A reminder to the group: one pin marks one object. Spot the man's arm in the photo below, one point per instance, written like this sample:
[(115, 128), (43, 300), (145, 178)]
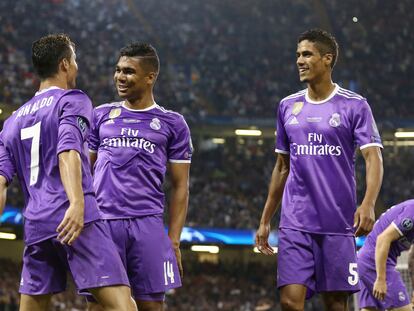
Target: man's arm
[(93, 156), (364, 217), (178, 205), (71, 175), (382, 250), (276, 187), (411, 269), (3, 193)]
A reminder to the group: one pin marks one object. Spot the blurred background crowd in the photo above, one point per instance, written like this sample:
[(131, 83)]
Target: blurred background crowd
[(222, 61)]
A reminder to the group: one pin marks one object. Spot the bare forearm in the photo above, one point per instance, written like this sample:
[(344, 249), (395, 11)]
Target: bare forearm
[(3, 193), (381, 254), (93, 156), (411, 265), (177, 213), (71, 175), (374, 174), (276, 187)]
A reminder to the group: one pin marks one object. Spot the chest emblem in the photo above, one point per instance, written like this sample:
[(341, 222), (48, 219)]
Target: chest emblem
[(114, 113), (297, 108), (335, 120), (155, 124)]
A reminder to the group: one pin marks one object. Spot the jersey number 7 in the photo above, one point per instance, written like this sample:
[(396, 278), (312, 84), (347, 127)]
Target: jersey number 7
[(34, 133)]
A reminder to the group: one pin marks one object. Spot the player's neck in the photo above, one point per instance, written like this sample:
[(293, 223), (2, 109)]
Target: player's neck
[(140, 103), (48, 83), (321, 90)]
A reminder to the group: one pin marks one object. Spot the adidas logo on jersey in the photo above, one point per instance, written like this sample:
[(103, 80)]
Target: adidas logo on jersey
[(294, 121)]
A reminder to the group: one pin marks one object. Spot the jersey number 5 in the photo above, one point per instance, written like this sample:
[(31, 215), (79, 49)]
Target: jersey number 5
[(34, 133), (354, 277)]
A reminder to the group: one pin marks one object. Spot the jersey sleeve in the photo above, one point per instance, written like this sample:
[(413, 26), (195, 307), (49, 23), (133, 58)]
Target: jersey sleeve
[(74, 121), (93, 139), (404, 223), (180, 149), (365, 129), (7, 167), (282, 141)]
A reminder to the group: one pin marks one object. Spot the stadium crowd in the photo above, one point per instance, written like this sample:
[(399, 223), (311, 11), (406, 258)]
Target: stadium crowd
[(218, 58)]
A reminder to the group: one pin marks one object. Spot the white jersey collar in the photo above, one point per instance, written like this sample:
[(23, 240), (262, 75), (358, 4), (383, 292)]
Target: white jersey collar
[(323, 100)]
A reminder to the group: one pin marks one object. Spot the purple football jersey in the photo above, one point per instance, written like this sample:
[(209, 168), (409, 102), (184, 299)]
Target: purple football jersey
[(321, 138), (401, 216), (133, 149), (53, 121)]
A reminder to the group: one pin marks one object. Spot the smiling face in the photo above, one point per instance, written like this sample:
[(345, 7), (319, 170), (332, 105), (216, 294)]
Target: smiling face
[(312, 65), (131, 80)]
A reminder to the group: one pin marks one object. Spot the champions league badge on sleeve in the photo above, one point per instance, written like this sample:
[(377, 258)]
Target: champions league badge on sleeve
[(407, 224), (335, 120), (82, 124)]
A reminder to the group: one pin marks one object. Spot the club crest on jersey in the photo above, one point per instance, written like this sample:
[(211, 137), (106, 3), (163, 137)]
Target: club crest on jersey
[(335, 120), (401, 296), (115, 113), (407, 224), (155, 124), (297, 108)]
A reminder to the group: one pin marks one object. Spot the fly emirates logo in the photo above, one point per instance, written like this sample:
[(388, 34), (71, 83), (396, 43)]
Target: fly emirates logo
[(129, 139), (315, 147)]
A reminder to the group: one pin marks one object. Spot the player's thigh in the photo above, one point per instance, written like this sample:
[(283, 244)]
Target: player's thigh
[(94, 306), (292, 297), (116, 297), (94, 260), (34, 302), (371, 309), (336, 263), (404, 308), (296, 263), (150, 305), (44, 269), (151, 263)]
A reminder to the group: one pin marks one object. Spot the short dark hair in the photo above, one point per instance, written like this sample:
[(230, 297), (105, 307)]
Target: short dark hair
[(324, 42), (146, 52), (47, 53)]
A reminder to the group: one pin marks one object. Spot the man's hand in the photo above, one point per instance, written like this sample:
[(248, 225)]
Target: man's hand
[(179, 263), (72, 224), (262, 240), (364, 220), (380, 289)]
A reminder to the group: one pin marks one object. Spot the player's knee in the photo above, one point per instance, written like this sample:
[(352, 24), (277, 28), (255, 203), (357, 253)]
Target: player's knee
[(150, 305), (337, 306), (289, 304)]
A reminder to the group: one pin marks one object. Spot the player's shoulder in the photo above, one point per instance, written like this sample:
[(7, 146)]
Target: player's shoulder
[(73, 94), (349, 95), (292, 98), (108, 106), (168, 115)]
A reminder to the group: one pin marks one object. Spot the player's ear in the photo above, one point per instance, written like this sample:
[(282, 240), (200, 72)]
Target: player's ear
[(64, 64), (328, 59), (152, 77)]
